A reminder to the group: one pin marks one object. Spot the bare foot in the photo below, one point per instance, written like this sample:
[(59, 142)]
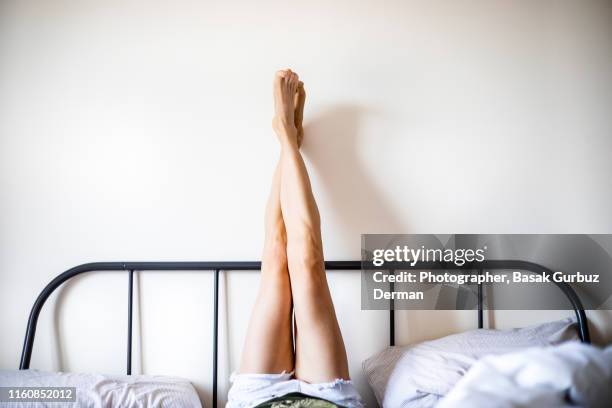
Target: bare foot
[(285, 88), (298, 115)]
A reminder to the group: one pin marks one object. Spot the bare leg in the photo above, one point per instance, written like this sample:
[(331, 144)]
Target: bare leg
[(268, 347), (320, 351)]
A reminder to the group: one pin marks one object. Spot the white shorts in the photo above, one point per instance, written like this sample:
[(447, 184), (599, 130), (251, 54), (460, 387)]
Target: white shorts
[(250, 390)]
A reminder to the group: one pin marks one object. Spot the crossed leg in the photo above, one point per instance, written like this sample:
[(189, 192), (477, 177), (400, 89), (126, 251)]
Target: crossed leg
[(293, 270)]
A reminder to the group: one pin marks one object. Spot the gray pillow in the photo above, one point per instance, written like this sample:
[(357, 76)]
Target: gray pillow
[(417, 376)]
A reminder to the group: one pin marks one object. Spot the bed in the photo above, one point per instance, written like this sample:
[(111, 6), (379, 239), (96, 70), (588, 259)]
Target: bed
[(182, 391)]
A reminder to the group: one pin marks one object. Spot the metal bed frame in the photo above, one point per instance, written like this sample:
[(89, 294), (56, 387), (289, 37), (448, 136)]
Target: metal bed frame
[(217, 267)]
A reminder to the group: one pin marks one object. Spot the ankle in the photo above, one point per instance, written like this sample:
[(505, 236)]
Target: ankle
[(287, 133), (289, 143)]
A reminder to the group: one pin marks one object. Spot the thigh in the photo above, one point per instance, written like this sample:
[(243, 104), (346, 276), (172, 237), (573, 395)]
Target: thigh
[(320, 354), (268, 346)]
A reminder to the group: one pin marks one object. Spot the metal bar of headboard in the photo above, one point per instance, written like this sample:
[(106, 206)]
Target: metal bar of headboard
[(480, 306), (129, 336), (215, 338), (26, 354), (392, 319), (392, 312)]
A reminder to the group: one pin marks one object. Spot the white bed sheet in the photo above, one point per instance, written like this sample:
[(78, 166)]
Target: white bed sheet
[(101, 391)]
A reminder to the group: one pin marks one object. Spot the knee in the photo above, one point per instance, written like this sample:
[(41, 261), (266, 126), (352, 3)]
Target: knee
[(275, 254), (305, 255)]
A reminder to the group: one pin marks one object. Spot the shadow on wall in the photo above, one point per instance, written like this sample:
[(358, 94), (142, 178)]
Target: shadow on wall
[(331, 145)]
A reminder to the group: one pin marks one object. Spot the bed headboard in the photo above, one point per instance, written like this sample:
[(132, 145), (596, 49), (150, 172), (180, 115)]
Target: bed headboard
[(218, 267)]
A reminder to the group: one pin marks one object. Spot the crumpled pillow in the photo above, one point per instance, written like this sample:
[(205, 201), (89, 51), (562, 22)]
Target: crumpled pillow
[(419, 375)]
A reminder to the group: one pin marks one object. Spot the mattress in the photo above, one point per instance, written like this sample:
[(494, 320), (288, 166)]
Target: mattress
[(98, 390)]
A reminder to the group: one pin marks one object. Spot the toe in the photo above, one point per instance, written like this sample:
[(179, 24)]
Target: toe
[(280, 76), (294, 82), (278, 79)]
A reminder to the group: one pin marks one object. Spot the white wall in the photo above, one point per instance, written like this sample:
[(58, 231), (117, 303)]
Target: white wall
[(133, 130)]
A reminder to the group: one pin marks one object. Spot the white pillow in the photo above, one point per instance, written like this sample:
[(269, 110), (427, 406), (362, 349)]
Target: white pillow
[(419, 375)]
